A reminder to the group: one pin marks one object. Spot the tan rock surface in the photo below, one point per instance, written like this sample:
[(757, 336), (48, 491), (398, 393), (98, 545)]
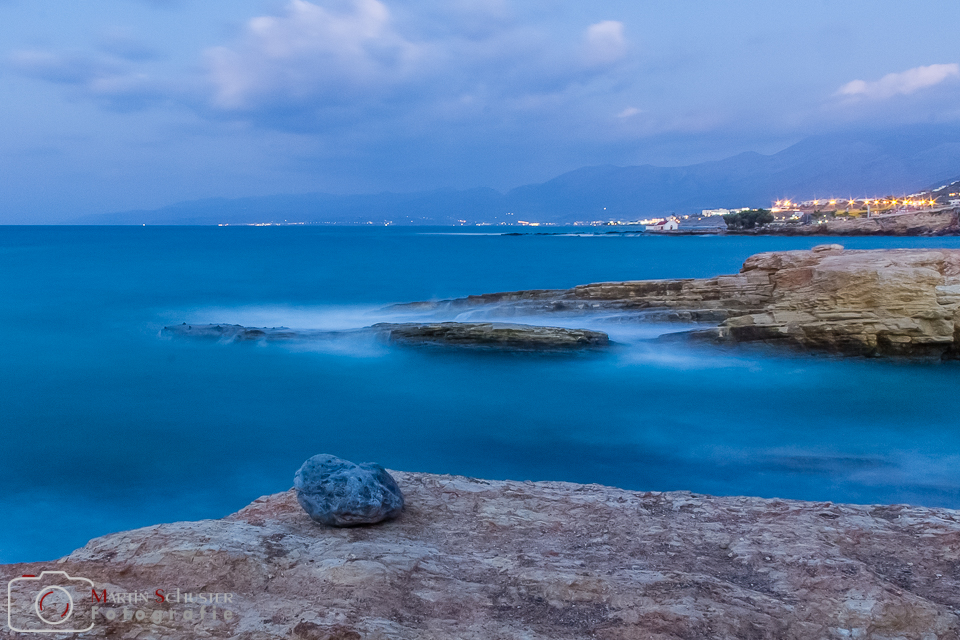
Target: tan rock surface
[(884, 302), (479, 559)]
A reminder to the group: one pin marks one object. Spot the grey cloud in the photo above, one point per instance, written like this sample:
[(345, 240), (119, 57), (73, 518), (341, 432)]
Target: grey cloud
[(111, 82), (441, 19), (163, 4), (314, 59), (903, 83), (126, 46), (69, 68), (312, 53), (343, 68), (604, 43)]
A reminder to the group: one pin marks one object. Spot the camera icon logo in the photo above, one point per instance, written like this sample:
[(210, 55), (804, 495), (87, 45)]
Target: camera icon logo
[(52, 602)]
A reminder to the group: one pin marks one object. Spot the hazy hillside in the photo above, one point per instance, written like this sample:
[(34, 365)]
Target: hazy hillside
[(908, 160), (816, 167), (429, 207)]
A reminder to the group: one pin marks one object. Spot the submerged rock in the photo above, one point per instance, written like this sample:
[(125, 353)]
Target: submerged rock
[(230, 332), (343, 494)]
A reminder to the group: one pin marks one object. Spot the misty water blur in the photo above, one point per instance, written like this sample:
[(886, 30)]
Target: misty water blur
[(107, 426)]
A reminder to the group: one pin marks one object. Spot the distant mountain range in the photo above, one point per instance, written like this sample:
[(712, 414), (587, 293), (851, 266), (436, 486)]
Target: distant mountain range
[(861, 164)]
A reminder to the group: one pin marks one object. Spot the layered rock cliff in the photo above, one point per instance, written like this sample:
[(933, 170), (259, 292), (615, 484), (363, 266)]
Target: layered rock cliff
[(476, 559), (902, 302)]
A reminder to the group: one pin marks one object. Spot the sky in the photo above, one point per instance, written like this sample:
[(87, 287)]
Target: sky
[(136, 104)]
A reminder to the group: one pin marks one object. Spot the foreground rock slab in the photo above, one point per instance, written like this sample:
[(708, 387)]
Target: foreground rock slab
[(903, 302), (478, 559)]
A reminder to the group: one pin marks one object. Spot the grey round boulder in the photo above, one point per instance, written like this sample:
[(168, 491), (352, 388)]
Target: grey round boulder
[(343, 494)]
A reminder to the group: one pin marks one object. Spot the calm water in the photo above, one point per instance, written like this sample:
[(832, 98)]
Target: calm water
[(105, 426)]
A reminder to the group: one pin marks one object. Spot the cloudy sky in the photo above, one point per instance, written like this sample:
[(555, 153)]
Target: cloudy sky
[(124, 104)]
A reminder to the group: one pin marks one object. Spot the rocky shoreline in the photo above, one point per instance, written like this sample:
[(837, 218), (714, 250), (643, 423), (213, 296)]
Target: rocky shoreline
[(898, 302), (921, 223), (479, 559)]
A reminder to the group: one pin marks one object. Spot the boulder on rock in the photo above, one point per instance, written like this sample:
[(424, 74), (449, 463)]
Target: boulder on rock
[(340, 493)]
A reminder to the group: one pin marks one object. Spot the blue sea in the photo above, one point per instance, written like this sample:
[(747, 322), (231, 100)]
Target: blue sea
[(108, 426)]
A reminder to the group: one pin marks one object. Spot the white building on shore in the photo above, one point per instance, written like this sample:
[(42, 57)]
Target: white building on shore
[(667, 224)]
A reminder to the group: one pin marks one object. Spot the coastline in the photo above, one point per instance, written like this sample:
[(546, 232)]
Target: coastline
[(891, 302), (921, 223)]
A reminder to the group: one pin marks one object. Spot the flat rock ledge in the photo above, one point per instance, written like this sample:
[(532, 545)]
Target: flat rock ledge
[(492, 335), (901, 302), (477, 559)]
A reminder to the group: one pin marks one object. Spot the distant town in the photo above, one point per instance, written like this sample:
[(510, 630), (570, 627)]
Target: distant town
[(782, 213)]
